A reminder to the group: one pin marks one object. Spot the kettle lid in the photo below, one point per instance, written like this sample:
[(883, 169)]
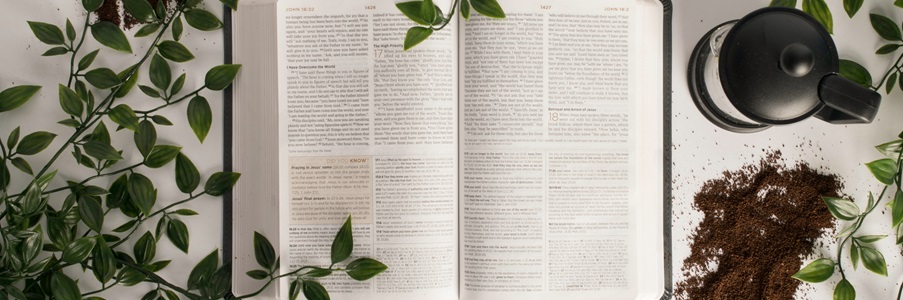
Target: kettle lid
[(771, 63)]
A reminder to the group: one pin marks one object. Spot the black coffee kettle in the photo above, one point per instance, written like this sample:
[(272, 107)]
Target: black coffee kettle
[(775, 66)]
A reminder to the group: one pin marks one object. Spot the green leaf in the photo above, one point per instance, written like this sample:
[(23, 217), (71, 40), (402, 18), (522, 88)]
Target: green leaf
[(31, 244), (899, 231), (56, 51), (35, 142), (70, 31), (64, 288), (851, 7), (14, 292), (14, 97), (177, 85), (177, 29), (125, 227), (886, 49), (103, 263), (318, 272), (129, 276), (92, 5), (870, 238), (817, 271), (364, 268), (343, 243), (161, 227), (145, 248), (118, 192), (100, 150), (48, 33), (160, 74), (415, 36), (101, 134), (465, 9), (109, 34), (200, 117), (161, 155), (78, 250), (149, 91), (103, 78), (128, 83), (145, 137), (187, 176), (87, 60), (428, 11), (314, 290), (264, 252), (898, 3), (883, 170), (294, 289), (841, 208), (204, 270), (91, 213), (70, 123), (844, 291), (855, 72), (897, 209), (70, 101), (220, 182), (124, 116), (147, 30), (412, 9), (873, 260), (22, 165), (233, 4), (13, 138), (161, 120), (177, 233), (854, 254), (885, 27), (492, 9), (174, 51), (258, 274), (185, 212), (4, 176), (140, 9), (890, 83), (819, 10), (220, 77), (142, 193), (202, 20), (783, 3)]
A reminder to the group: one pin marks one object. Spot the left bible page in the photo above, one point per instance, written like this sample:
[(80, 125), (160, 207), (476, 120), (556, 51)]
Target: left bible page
[(367, 130)]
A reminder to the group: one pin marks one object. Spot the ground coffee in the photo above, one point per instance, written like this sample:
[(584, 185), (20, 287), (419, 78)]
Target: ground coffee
[(758, 223), (110, 11)]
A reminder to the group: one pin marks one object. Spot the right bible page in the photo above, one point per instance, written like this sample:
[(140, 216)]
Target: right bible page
[(551, 125)]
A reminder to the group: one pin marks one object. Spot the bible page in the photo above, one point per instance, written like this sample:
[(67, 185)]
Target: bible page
[(368, 130), (548, 171)]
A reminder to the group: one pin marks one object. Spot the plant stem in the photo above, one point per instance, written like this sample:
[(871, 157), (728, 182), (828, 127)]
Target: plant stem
[(147, 112), (83, 182), (893, 67), (159, 280), (106, 287), (72, 70), (450, 15)]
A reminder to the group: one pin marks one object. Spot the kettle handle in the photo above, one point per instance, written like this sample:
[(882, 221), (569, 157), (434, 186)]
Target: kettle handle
[(846, 102)]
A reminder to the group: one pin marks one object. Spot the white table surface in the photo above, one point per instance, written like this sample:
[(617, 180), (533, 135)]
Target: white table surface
[(702, 151)]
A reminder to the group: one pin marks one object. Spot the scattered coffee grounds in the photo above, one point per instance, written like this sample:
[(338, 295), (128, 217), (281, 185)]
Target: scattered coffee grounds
[(109, 11), (759, 222)]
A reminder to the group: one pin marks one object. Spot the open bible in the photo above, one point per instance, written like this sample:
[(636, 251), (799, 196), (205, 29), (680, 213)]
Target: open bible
[(520, 158)]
